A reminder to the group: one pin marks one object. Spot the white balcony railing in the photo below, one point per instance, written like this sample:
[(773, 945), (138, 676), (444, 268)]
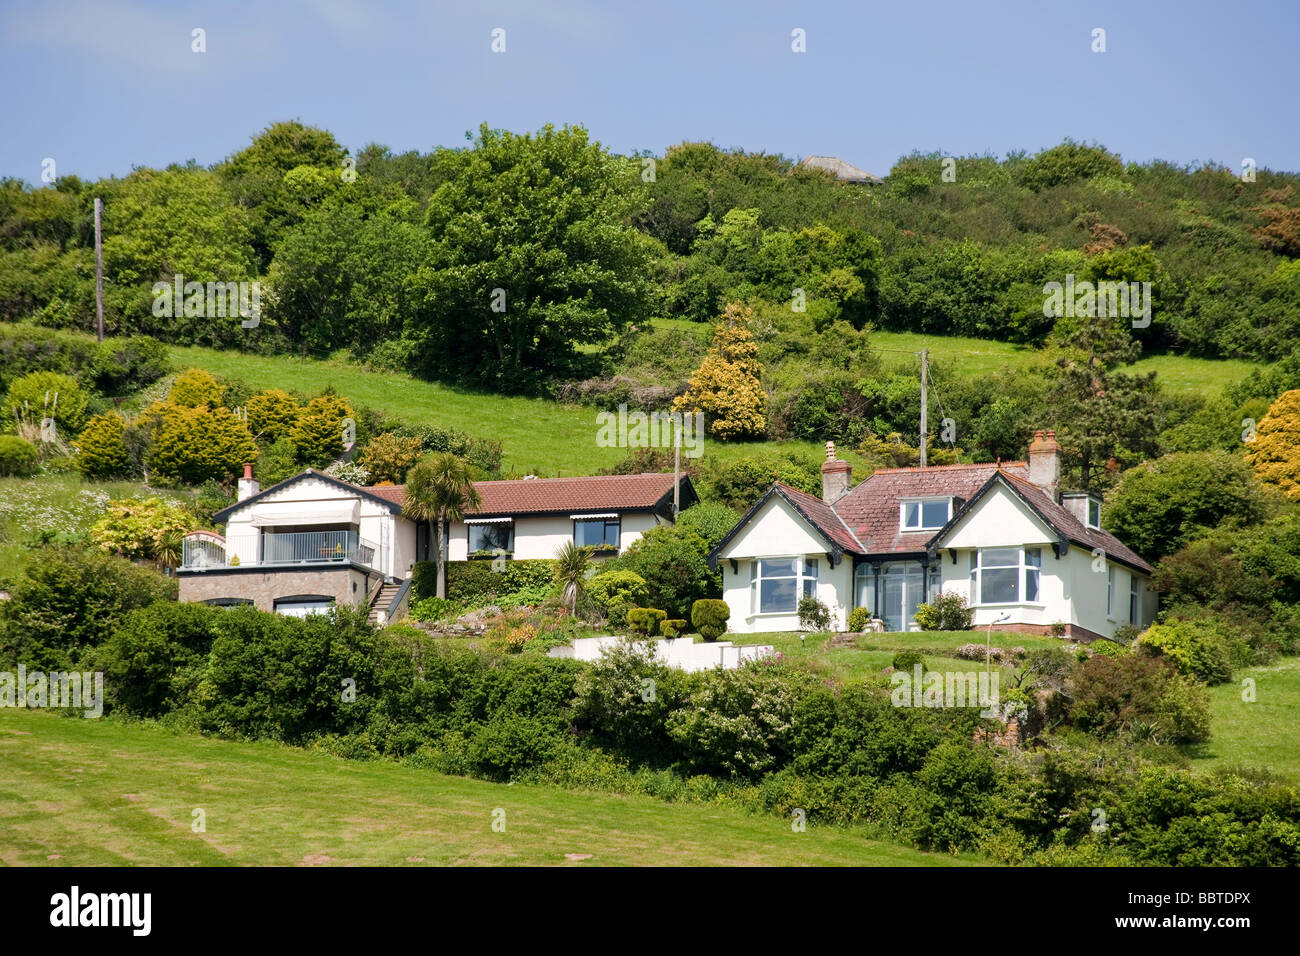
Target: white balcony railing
[(279, 548)]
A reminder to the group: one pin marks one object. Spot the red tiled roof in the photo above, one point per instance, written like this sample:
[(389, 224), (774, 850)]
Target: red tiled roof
[(560, 495), (823, 516), (871, 509)]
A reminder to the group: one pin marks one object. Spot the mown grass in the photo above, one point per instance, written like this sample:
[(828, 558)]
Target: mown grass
[(1264, 732), (872, 653), (79, 792)]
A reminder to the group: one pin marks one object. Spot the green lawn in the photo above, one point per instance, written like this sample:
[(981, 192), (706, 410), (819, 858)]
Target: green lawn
[(78, 792), (1260, 733), (874, 652)]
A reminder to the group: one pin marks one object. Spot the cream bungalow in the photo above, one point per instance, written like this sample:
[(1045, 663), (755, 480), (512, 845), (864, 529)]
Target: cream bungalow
[(312, 541), (1000, 535)]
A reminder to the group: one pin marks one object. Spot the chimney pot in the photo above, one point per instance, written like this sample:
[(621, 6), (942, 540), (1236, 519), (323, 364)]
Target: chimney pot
[(837, 476)]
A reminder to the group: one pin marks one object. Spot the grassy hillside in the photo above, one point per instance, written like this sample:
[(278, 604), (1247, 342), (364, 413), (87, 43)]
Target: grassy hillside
[(63, 803), (1258, 733), (536, 435), (545, 437)]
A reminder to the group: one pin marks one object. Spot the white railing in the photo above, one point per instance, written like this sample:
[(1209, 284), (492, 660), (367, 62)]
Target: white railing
[(278, 548)]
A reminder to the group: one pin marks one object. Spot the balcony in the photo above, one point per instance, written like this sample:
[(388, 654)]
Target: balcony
[(204, 550)]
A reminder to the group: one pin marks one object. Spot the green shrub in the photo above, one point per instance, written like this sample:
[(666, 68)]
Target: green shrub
[(101, 448), (673, 562), (813, 614), (1137, 697), (613, 592), (1108, 648), (645, 620), (42, 394), (129, 364), (672, 629), (67, 601), (709, 617), (906, 660), (624, 699), (1198, 648), (510, 746), (18, 457), (947, 612), (195, 387), (434, 609), (859, 619), (156, 655)]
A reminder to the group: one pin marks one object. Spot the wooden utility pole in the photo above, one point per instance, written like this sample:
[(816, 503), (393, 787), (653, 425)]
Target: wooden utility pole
[(99, 270), (677, 468), (925, 398)]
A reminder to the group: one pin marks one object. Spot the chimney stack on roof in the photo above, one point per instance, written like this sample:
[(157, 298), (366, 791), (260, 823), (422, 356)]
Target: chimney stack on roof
[(248, 485), (837, 476), (1045, 461)]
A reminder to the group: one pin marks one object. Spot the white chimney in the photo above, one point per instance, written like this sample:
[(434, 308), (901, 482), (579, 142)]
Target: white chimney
[(837, 476), (1045, 461), (248, 485)]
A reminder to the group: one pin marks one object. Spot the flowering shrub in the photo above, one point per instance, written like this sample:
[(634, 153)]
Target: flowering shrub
[(138, 529)]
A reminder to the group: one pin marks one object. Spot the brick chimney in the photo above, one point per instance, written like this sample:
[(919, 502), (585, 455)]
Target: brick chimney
[(248, 485), (837, 476), (1045, 461)]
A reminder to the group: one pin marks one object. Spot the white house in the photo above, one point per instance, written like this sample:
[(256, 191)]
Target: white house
[(313, 540), (1000, 534)]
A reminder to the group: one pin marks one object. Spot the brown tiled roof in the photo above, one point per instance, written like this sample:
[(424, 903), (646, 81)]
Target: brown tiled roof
[(823, 516), (1074, 529), (562, 495), (871, 509)]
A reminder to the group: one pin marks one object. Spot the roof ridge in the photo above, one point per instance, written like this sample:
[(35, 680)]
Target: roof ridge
[(639, 474), (973, 464)]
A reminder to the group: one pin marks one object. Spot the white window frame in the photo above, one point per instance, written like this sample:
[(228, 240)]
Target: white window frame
[(1023, 567), (805, 578), (1093, 503), (472, 525), (920, 512), (1134, 603)]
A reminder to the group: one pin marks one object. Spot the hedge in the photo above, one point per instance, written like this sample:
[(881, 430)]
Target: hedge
[(476, 581)]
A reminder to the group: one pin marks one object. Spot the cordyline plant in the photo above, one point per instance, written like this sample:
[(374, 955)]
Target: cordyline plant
[(438, 490)]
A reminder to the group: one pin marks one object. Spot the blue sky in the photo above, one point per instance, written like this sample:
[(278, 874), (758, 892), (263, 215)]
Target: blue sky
[(105, 86)]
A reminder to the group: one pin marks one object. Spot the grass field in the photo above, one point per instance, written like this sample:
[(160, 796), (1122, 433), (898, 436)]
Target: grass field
[(78, 792), (1260, 733), (64, 503), (969, 357), (537, 436)]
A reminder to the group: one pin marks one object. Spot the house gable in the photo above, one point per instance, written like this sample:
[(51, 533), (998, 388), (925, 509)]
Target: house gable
[(774, 526), (996, 519), (307, 486)]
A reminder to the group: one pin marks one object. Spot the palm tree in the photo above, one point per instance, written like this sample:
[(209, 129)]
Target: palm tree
[(571, 565), (438, 490), (169, 548)]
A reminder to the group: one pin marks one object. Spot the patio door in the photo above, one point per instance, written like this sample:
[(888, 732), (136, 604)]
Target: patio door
[(902, 586)]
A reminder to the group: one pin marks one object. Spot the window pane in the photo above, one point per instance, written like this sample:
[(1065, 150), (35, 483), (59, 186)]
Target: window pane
[(1000, 557), (809, 587), (1034, 557), (911, 514), (778, 594), (596, 533), (1031, 584), (999, 586), (489, 537), (1094, 513), (865, 590), (778, 567), (810, 568), (934, 514)]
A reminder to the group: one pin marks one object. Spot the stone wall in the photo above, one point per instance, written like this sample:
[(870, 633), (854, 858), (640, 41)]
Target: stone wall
[(347, 585)]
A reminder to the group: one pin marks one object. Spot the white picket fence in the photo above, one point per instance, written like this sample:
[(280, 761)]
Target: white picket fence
[(682, 653)]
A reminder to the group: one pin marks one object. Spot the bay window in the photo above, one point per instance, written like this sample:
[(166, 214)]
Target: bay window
[(1006, 575), (777, 584)]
